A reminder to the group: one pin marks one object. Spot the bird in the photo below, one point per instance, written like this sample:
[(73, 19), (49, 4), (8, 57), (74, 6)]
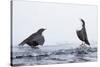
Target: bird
[(35, 39), (82, 34)]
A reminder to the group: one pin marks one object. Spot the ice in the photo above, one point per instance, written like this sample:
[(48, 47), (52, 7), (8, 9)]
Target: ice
[(52, 55)]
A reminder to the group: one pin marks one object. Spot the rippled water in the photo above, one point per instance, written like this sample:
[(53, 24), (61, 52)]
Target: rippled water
[(52, 55)]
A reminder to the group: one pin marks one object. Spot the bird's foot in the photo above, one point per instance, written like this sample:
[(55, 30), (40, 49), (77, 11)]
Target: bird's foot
[(83, 46), (35, 47)]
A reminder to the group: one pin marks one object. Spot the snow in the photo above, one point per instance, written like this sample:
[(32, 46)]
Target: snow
[(52, 55)]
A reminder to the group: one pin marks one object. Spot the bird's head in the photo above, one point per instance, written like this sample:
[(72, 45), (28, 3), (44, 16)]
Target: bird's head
[(83, 22), (41, 30)]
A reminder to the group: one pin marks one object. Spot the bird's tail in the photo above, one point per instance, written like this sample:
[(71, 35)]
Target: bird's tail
[(88, 44), (22, 43)]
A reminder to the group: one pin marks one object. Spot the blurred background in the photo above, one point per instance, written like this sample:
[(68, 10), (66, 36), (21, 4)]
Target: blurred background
[(60, 20)]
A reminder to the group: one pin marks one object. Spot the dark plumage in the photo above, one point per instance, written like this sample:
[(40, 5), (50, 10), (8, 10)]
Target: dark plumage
[(82, 35), (35, 39)]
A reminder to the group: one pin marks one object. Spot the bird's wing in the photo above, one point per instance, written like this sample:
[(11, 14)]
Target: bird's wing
[(79, 34), (41, 40), (85, 37), (23, 42), (38, 38), (32, 43), (83, 34), (28, 39)]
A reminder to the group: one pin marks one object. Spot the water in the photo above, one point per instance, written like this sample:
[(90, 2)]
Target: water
[(52, 55)]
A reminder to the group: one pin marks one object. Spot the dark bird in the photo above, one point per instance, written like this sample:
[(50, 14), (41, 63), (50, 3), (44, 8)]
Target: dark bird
[(35, 39), (82, 35)]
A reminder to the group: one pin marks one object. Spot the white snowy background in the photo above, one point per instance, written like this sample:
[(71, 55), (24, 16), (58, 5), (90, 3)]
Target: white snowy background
[(60, 20)]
